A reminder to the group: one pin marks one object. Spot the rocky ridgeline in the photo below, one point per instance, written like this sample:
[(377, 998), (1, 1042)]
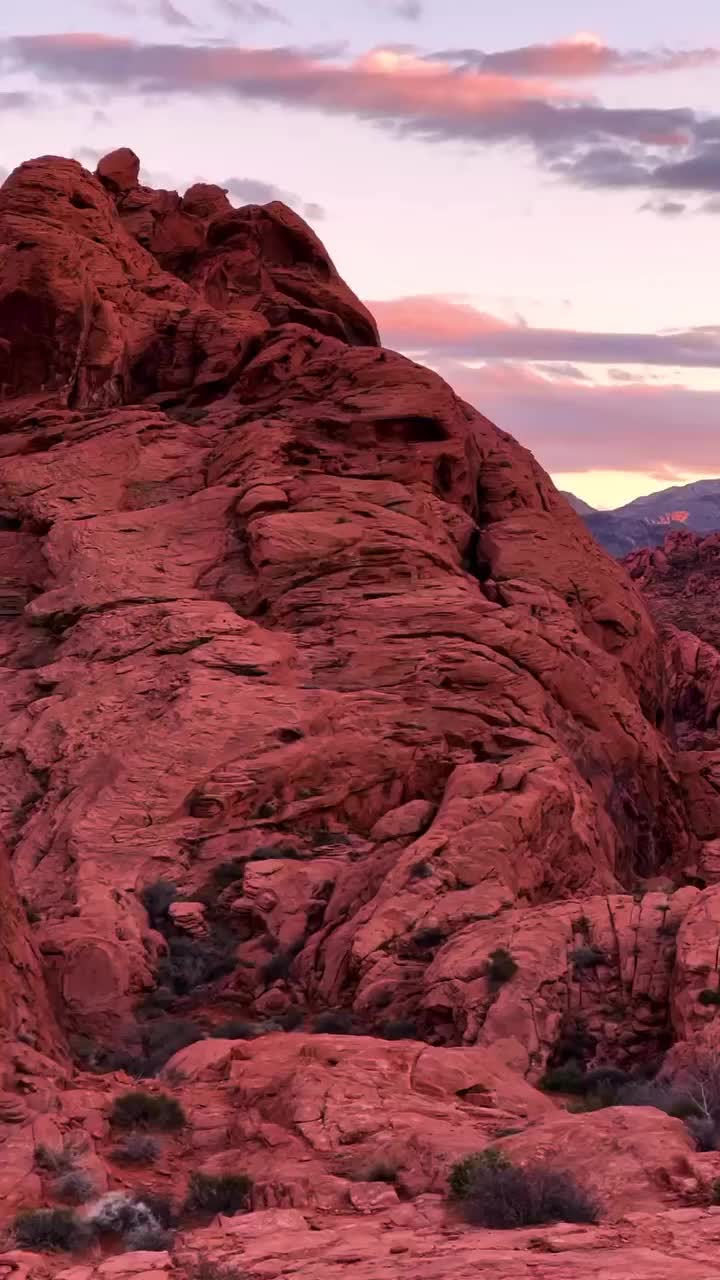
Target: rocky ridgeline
[(344, 782)]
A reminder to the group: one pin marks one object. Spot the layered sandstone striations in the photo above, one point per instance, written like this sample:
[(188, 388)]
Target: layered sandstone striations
[(287, 624)]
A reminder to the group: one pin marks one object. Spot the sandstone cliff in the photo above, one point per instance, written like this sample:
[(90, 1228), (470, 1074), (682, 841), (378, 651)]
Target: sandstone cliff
[(288, 626)]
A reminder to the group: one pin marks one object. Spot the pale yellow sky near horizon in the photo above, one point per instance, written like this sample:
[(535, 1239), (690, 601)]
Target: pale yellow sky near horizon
[(607, 490)]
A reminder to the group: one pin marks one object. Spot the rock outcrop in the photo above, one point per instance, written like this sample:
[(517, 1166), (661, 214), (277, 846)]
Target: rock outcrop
[(319, 699)]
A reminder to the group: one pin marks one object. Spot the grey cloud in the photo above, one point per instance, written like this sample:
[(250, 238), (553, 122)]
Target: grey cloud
[(585, 143), (666, 208), (576, 58), (255, 191), (252, 11), (15, 100), (171, 15)]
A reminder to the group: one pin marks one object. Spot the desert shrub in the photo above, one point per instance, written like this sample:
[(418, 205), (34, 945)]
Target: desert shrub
[(164, 1038), (568, 1078), (138, 1148), (50, 1230), (495, 1193), (119, 1214), (501, 967), (228, 873), (705, 1131), (293, 1019), (190, 963), (463, 1171), (379, 1171), (267, 852), (75, 1186), (420, 870), (208, 1270), (156, 899), (157, 1204), (715, 1191), (428, 937), (234, 1030), (150, 1239), (278, 966), (665, 1095), (587, 958), (711, 995), (222, 1193), (54, 1161), (334, 1022), (399, 1029), (140, 1110)]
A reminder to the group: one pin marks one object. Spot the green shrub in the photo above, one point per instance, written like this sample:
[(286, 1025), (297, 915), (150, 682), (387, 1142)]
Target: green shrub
[(278, 966), (399, 1029), (192, 963), (75, 1187), (420, 870), (140, 1110), (334, 1022), (222, 1193), (234, 1030), (463, 1171), (138, 1148), (165, 1037), (587, 958), (228, 873), (51, 1230), (380, 1171), (207, 1270), (501, 967), (429, 937), (715, 1191), (569, 1078), (156, 899), (54, 1161), (270, 852), (501, 1196), (149, 1239), (711, 995)]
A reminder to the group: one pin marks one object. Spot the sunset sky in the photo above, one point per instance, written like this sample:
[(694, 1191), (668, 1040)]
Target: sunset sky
[(531, 209)]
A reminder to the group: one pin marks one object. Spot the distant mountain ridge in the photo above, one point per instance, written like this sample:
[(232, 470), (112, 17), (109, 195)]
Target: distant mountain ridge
[(646, 521)]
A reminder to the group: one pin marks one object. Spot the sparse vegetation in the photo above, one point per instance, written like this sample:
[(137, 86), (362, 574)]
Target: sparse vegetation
[(279, 965), (51, 1230), (54, 1161), (587, 958), (156, 899), (227, 1193), (149, 1239), (399, 1029), (420, 870), (495, 1193), (379, 1171), (501, 967), (165, 1037), (334, 1022), (75, 1187), (140, 1110), (268, 852), (207, 1270), (463, 1171), (190, 963), (228, 873), (234, 1031), (711, 995), (429, 937), (138, 1149)]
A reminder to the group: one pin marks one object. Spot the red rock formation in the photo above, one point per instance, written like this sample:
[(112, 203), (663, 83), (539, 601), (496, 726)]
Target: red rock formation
[(289, 625)]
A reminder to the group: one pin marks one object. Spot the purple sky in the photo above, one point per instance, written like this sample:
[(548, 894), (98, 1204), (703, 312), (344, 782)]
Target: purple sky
[(532, 210)]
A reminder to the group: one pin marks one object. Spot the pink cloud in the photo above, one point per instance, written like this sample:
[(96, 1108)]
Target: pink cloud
[(441, 328), (575, 426)]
